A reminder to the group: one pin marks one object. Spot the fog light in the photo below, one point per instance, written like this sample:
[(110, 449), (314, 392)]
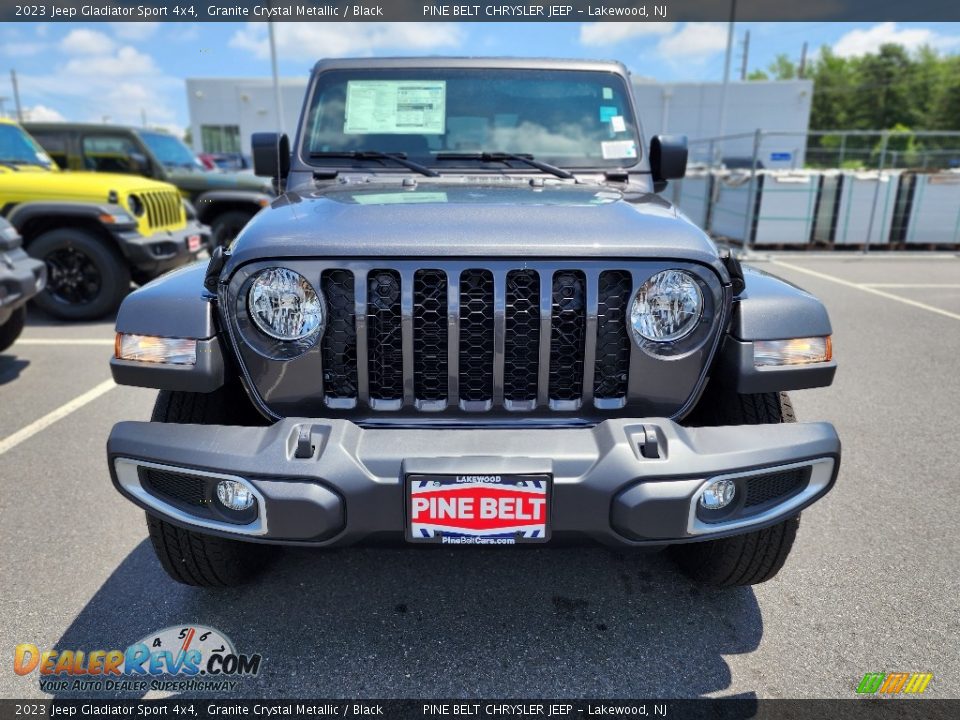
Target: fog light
[(718, 494), (147, 348), (234, 495)]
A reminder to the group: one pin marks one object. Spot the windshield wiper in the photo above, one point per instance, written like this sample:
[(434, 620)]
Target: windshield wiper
[(506, 157), (399, 158), (12, 164)]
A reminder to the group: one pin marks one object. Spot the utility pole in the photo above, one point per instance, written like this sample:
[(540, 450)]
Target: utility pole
[(803, 62), (278, 102), (746, 54), (16, 95), (726, 79)]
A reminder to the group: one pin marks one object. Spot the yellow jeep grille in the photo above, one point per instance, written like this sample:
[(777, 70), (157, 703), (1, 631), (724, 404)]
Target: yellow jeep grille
[(164, 209)]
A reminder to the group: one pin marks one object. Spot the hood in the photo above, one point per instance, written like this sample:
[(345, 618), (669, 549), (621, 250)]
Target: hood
[(93, 186), (218, 180), (466, 217)]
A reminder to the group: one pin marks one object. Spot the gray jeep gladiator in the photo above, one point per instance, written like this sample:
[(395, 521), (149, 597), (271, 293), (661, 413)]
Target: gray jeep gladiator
[(470, 319), (21, 277)]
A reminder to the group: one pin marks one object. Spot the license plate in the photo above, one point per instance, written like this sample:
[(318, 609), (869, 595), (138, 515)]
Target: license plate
[(193, 243), (478, 509)]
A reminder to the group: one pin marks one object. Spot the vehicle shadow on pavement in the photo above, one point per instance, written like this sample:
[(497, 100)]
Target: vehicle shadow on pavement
[(464, 622), (11, 366)]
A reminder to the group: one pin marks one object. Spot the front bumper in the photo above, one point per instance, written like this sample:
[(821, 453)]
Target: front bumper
[(626, 482), (21, 277), (165, 249)]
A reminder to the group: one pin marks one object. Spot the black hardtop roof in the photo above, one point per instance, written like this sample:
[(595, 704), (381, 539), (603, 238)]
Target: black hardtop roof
[(59, 124)]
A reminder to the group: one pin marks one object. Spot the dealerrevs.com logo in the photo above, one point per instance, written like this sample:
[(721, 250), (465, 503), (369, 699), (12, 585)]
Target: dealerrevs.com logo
[(175, 659), (894, 683)]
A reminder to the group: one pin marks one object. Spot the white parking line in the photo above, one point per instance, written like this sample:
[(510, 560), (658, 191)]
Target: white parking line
[(867, 288), (912, 285), (64, 341), (11, 441)]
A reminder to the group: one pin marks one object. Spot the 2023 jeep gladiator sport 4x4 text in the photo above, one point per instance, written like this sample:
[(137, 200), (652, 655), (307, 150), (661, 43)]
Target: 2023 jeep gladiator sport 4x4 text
[(470, 319)]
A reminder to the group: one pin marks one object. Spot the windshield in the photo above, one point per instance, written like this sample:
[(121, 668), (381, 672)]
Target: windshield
[(571, 119), (18, 148), (170, 151)]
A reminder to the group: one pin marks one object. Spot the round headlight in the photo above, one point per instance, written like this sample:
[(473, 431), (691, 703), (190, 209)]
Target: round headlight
[(667, 307), (136, 205), (284, 305)]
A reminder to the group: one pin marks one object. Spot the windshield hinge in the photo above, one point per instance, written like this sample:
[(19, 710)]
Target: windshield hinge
[(617, 175)]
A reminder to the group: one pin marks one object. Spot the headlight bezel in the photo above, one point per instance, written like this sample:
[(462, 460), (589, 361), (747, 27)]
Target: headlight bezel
[(694, 337), (259, 337), (136, 206)]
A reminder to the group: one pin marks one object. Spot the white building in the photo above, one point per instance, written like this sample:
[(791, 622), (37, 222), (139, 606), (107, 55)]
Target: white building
[(224, 112), (693, 109)]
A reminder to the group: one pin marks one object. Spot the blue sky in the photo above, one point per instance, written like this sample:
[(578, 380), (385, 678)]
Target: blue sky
[(92, 71)]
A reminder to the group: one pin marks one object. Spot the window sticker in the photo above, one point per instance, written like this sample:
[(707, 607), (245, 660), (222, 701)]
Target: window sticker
[(617, 124), (399, 198), (607, 112), (618, 149), (398, 107), (608, 93)]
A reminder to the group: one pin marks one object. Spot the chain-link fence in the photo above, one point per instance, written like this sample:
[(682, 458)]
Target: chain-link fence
[(823, 149), (862, 189)]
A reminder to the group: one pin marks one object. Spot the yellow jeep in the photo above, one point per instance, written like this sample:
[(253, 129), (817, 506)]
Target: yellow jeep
[(94, 231)]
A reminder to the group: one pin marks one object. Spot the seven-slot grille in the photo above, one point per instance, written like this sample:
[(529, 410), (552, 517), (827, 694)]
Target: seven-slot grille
[(475, 338), (163, 208)]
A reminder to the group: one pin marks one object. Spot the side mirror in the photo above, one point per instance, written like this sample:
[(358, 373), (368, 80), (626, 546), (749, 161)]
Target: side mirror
[(271, 156), (668, 159)]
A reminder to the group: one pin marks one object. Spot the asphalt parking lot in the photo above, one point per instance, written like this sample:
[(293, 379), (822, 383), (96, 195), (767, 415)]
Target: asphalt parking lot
[(873, 584)]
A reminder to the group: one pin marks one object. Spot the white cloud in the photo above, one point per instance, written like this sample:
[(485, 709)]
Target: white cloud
[(117, 85), (861, 42), (22, 49), (86, 42), (41, 113), (127, 62), (609, 33), (134, 30), (695, 41), (300, 40)]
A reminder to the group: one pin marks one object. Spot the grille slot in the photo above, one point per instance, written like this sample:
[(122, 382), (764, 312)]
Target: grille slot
[(430, 334), (613, 342), (568, 331), (339, 345), (476, 336), (184, 489), (384, 337), (522, 343), (775, 486)]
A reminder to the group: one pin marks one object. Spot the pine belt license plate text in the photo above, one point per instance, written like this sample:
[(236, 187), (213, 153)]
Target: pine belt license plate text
[(478, 509)]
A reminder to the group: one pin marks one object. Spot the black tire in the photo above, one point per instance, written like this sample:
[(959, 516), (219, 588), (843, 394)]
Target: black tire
[(748, 559), (11, 329), (87, 277), (187, 556), (226, 226), (754, 557)]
